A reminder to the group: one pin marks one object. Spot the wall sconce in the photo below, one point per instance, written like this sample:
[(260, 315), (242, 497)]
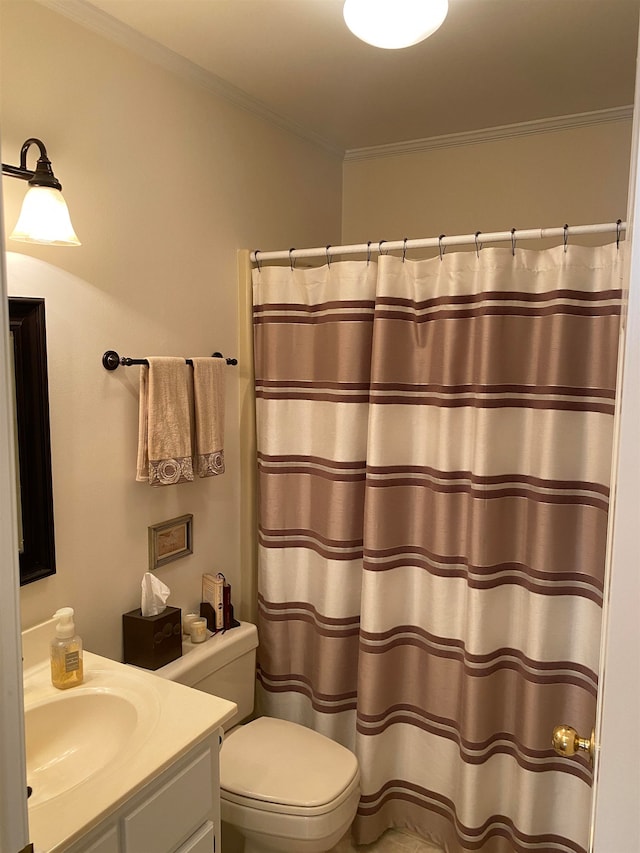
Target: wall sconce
[(44, 217)]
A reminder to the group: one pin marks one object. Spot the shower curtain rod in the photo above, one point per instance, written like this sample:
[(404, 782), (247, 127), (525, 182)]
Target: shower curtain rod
[(480, 238)]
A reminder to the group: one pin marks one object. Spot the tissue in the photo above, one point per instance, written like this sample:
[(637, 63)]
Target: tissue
[(154, 595)]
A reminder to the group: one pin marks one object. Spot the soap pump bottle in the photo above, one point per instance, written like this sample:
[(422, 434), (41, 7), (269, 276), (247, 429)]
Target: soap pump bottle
[(66, 651)]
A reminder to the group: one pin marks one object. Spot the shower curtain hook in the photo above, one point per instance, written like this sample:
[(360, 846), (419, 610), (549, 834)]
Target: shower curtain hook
[(380, 242), (328, 256), (368, 252), (618, 224), (292, 261), (255, 255), (566, 237), (478, 245), (404, 250), (440, 247), (513, 242)]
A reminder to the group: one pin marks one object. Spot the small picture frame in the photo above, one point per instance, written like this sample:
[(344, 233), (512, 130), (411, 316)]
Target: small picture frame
[(170, 540)]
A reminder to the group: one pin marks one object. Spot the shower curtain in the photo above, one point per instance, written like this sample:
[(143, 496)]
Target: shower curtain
[(434, 451)]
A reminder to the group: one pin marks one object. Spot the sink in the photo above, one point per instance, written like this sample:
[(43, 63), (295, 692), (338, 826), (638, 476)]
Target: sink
[(83, 731), (91, 748)]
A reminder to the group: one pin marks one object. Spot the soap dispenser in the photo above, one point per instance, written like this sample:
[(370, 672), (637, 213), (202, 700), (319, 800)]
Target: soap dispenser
[(66, 651)]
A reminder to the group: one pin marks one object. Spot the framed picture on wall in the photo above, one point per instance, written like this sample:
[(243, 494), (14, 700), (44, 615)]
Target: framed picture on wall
[(170, 540)]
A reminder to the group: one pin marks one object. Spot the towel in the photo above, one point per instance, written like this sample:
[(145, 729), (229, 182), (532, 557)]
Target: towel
[(164, 435), (208, 398)]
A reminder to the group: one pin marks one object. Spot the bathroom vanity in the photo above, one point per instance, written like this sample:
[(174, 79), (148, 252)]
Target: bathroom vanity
[(124, 763), (176, 813)]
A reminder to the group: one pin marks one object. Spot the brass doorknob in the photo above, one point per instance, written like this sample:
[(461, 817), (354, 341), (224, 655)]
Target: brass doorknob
[(566, 741)]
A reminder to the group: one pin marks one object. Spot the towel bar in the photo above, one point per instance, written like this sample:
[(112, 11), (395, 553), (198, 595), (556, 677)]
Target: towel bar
[(111, 360)]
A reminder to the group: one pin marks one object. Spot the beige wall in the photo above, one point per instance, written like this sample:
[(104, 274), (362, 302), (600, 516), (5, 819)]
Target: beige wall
[(575, 176), (165, 182)]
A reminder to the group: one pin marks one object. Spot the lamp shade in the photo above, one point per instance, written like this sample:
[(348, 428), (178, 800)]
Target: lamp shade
[(44, 218), (394, 24)]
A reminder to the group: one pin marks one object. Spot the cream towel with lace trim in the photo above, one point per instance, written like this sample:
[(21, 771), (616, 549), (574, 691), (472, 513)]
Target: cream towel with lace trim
[(209, 398), (164, 427)]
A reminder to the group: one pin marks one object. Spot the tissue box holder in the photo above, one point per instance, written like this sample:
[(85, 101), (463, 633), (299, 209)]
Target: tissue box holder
[(152, 641)]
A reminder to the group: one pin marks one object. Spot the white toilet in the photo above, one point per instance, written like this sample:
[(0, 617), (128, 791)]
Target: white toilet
[(285, 788)]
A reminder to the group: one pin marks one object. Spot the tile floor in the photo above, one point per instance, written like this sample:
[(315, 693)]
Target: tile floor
[(393, 841)]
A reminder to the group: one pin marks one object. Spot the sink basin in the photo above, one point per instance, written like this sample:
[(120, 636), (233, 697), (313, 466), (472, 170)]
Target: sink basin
[(72, 736)]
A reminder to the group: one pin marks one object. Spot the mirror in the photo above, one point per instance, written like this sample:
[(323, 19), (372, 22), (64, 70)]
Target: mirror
[(33, 444)]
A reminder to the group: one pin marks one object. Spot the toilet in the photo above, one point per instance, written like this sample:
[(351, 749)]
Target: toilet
[(284, 787)]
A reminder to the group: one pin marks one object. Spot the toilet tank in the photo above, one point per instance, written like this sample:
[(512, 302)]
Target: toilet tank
[(224, 665)]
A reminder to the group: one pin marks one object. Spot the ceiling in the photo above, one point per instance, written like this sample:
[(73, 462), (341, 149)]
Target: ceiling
[(492, 63)]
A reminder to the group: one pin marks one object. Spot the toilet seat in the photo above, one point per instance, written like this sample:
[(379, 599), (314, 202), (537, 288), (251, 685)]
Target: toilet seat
[(264, 765)]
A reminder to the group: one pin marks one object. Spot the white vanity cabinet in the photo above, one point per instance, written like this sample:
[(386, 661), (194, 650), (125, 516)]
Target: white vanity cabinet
[(177, 812), (133, 767)]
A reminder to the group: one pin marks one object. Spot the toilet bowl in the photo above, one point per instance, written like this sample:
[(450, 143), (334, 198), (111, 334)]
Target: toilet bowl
[(287, 788), (284, 787)]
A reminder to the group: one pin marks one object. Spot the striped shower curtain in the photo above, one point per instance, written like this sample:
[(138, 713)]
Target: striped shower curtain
[(434, 450)]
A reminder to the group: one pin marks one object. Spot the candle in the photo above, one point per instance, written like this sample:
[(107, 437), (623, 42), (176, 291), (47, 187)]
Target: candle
[(198, 630), (187, 619)]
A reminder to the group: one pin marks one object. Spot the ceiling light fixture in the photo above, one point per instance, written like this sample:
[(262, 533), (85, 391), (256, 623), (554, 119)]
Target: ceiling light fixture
[(44, 217), (394, 24)]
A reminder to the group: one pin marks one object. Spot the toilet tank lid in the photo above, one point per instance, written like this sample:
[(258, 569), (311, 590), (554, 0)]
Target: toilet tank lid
[(275, 761), (201, 659)]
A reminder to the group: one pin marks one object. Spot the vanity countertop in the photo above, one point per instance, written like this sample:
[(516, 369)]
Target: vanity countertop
[(161, 721)]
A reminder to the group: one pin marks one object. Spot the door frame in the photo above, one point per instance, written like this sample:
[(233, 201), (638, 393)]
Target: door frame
[(615, 822), (14, 823)]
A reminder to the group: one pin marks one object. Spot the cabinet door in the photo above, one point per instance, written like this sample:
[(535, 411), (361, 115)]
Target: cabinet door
[(107, 843), (202, 841), (165, 819)]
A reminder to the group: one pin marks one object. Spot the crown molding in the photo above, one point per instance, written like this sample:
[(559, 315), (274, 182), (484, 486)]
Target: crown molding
[(83, 13), (100, 22), (491, 134)]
